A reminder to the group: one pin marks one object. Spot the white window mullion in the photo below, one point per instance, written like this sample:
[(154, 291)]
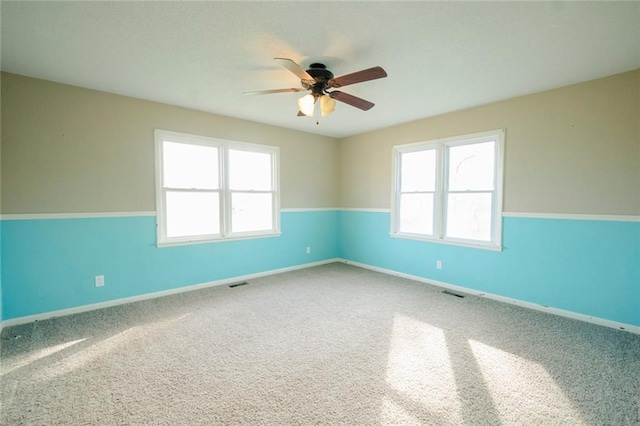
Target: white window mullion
[(498, 186), (395, 192), (440, 202), (225, 199), (162, 213), (161, 193), (274, 218), (275, 188)]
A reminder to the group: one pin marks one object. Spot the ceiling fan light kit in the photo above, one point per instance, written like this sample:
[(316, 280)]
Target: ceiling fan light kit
[(307, 103), (317, 79)]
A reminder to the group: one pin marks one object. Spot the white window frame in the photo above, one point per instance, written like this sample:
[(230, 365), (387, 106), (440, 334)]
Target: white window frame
[(223, 146), (440, 200)]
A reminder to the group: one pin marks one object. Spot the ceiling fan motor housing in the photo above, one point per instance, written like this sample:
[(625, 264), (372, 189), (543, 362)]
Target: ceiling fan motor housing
[(321, 75)]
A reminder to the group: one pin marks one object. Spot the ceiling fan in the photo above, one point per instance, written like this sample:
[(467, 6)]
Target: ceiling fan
[(318, 79)]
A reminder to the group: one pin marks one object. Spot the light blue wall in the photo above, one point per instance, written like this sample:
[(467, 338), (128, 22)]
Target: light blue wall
[(587, 267), (50, 264)]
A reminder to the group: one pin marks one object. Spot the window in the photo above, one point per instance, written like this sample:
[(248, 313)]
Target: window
[(210, 189), (450, 190)]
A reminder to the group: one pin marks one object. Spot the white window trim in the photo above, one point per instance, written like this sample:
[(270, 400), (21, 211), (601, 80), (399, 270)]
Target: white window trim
[(225, 193), (439, 210)]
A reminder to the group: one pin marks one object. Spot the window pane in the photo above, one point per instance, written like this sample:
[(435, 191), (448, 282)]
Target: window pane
[(471, 167), (416, 214), (192, 213), (251, 212), (418, 171), (190, 166), (249, 170), (469, 216)]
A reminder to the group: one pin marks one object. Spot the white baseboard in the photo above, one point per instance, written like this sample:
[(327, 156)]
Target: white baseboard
[(548, 309), (94, 306)]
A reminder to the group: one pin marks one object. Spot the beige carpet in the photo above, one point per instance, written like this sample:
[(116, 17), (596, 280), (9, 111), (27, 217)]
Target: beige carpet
[(332, 344)]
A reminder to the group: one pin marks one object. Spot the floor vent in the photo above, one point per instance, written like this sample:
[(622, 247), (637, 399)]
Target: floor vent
[(451, 293), (238, 284)]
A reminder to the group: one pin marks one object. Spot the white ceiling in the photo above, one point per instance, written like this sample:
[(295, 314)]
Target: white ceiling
[(440, 56)]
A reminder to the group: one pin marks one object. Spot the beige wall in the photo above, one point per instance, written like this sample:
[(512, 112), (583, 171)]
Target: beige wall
[(66, 149), (570, 150)]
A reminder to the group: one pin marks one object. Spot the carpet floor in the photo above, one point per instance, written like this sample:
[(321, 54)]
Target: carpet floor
[(333, 344)]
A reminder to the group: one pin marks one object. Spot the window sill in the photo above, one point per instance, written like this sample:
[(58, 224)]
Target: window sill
[(487, 246), (216, 240)]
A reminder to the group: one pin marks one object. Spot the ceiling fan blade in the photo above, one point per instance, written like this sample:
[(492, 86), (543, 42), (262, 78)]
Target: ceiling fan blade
[(267, 92), (296, 69), (351, 100), (357, 77)]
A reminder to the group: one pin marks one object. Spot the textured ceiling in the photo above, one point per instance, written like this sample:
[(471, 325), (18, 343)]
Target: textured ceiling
[(440, 56)]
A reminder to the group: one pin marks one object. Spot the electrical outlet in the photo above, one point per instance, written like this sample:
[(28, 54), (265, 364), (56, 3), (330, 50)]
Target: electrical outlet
[(438, 264), (99, 280), (308, 250)]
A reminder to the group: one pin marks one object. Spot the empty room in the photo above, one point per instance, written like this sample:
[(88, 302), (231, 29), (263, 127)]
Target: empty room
[(341, 213)]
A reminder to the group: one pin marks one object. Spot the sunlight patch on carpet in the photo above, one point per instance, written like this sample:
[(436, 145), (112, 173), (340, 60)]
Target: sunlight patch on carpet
[(8, 366), (419, 368), (514, 381), (90, 357)]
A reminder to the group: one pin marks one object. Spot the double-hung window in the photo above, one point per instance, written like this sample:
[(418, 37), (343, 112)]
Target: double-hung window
[(450, 190), (211, 189)]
